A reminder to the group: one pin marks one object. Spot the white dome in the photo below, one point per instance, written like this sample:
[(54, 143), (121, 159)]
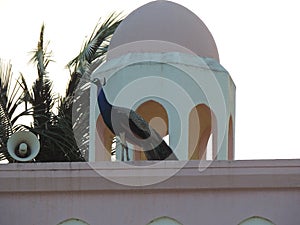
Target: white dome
[(165, 22)]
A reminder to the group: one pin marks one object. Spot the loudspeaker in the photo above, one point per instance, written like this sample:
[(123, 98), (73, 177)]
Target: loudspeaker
[(23, 146)]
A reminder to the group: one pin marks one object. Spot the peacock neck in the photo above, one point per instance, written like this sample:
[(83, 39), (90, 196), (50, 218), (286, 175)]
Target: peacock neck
[(103, 103), (105, 108)]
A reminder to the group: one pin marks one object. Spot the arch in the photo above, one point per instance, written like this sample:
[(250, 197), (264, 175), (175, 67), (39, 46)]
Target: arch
[(104, 140), (73, 221), (156, 115), (256, 220), (230, 140), (164, 221), (202, 124)]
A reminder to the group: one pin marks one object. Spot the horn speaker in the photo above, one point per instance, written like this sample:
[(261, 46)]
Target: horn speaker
[(23, 146)]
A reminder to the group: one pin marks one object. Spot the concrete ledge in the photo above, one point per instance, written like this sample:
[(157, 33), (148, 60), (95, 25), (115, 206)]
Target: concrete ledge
[(172, 175)]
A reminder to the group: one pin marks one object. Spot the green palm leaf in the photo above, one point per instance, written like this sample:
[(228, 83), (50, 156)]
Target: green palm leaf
[(12, 96), (91, 55), (96, 46)]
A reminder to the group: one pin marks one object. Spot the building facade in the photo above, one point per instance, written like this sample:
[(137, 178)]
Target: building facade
[(265, 192), (163, 63)]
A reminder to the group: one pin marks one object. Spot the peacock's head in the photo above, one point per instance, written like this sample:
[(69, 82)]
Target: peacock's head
[(98, 82)]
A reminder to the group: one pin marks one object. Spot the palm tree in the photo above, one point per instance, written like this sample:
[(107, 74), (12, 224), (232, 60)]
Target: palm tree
[(55, 130), (45, 122)]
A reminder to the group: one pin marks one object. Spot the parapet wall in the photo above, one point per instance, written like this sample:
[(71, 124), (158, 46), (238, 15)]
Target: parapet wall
[(220, 192)]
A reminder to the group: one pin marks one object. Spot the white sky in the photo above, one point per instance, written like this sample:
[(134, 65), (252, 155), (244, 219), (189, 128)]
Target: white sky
[(258, 43)]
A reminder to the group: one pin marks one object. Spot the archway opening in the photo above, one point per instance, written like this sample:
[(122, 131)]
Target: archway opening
[(202, 133), (104, 141), (164, 221), (156, 115), (73, 222), (256, 220)]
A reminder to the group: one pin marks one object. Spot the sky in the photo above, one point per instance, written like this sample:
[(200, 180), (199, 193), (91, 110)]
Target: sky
[(258, 43)]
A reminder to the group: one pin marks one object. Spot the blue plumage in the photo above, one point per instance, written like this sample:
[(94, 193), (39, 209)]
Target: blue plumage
[(127, 123)]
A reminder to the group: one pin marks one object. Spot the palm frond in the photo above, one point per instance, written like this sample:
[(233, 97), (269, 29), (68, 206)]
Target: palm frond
[(41, 97), (96, 45), (12, 96), (91, 55), (40, 55)]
